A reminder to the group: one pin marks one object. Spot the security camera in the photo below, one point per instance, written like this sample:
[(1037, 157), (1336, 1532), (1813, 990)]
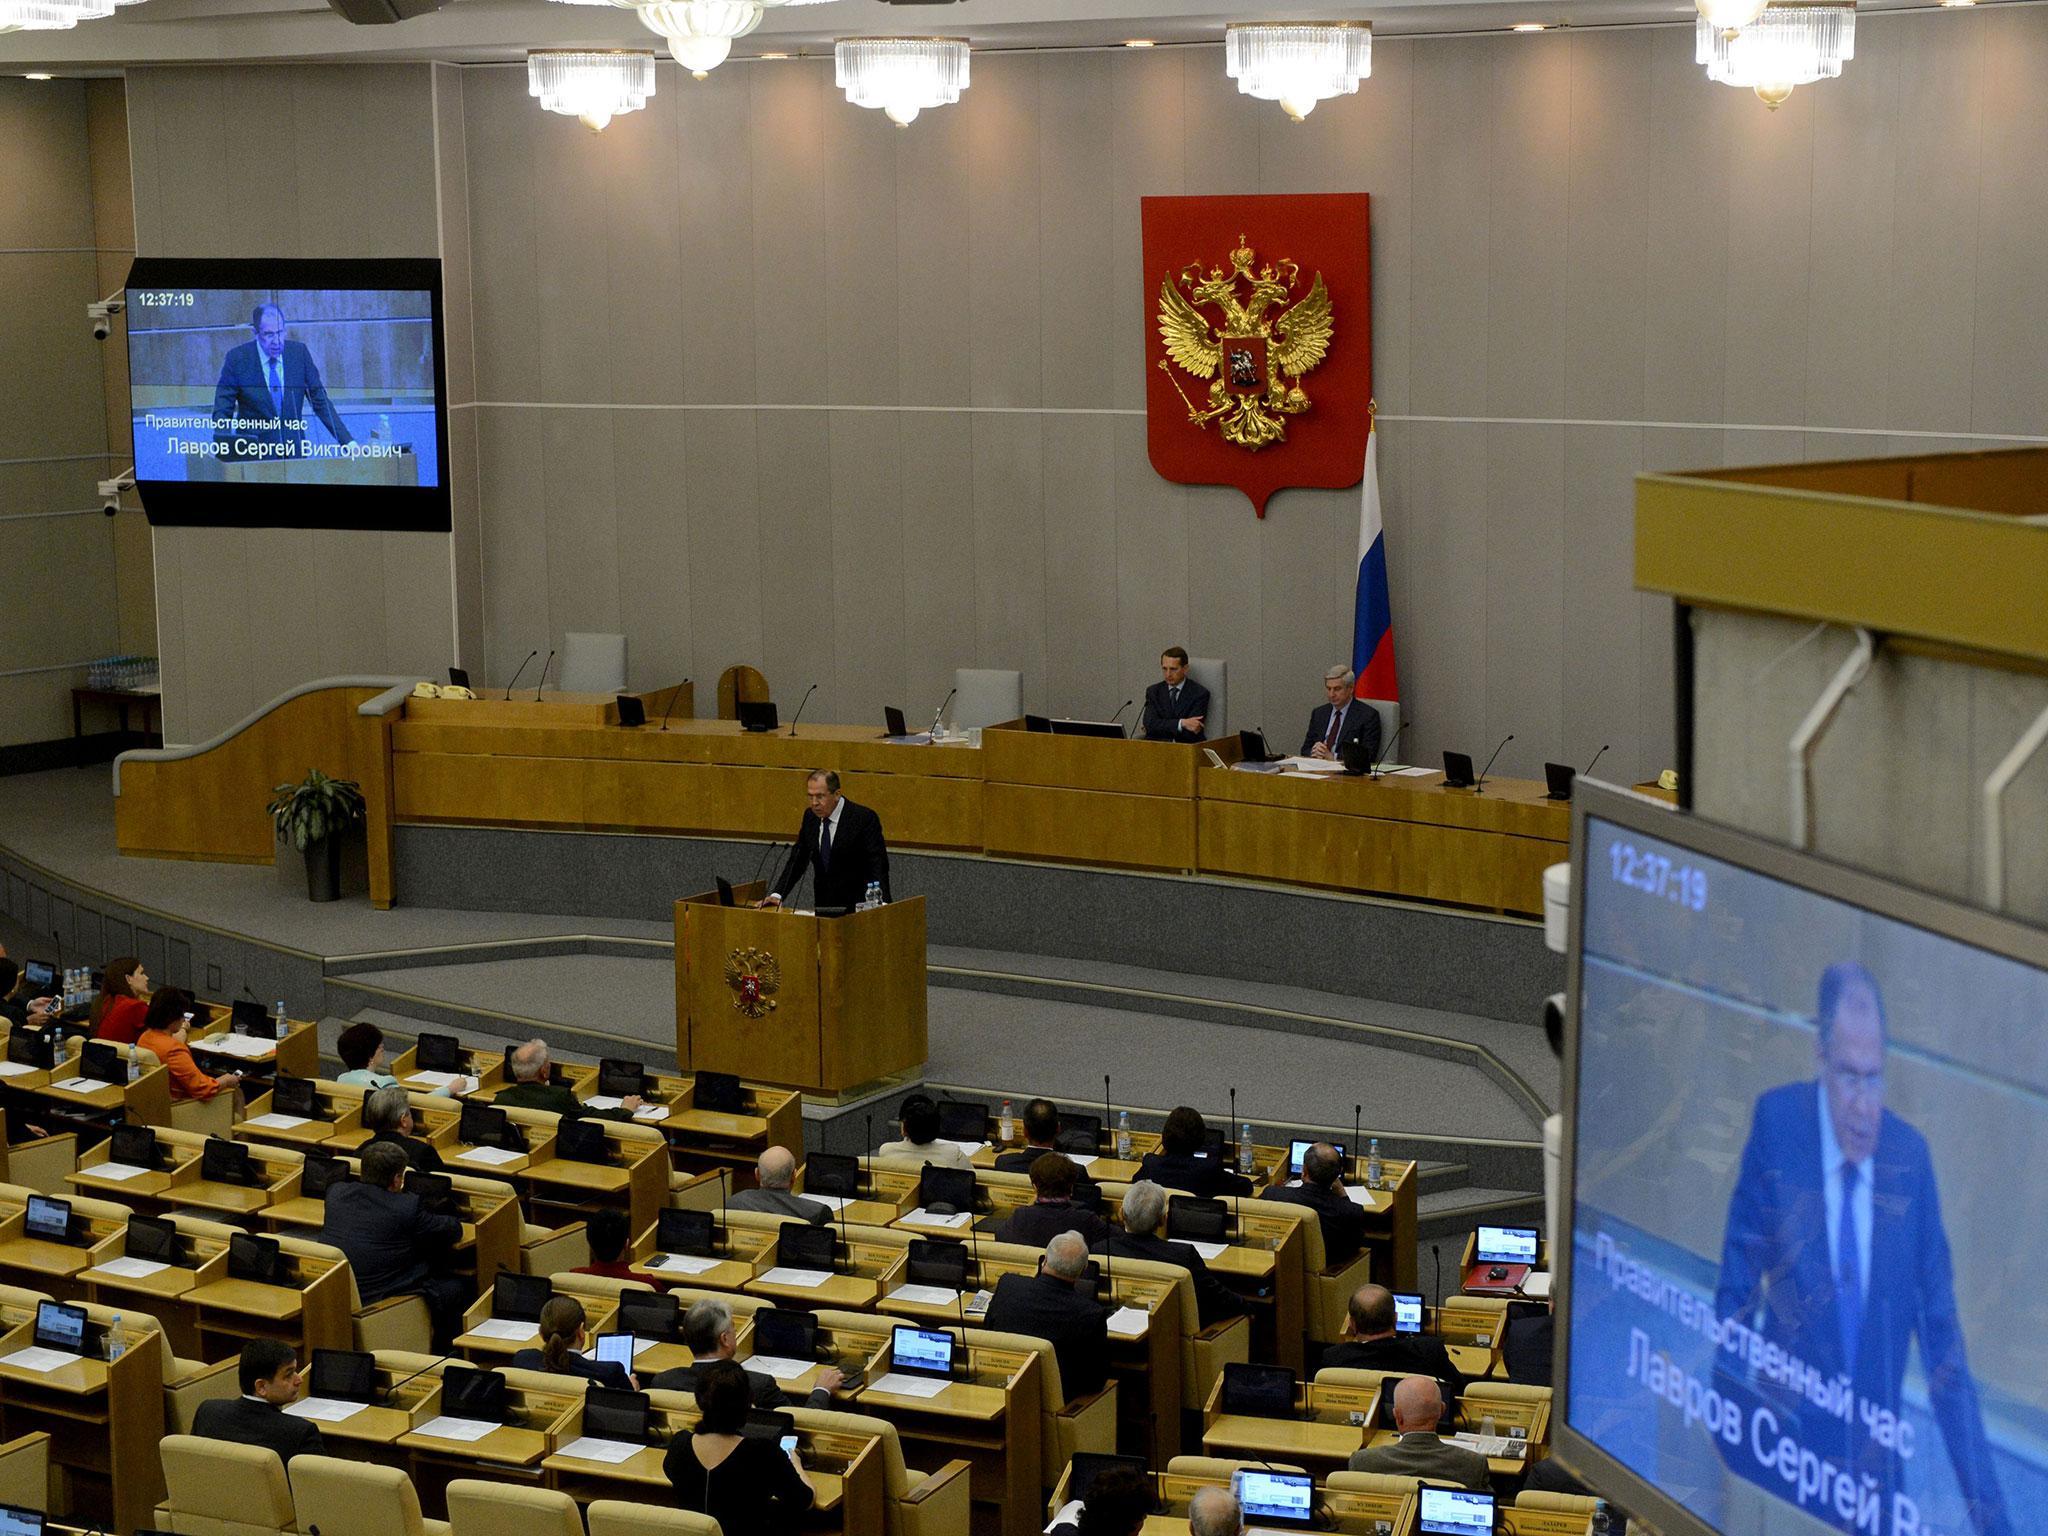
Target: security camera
[(1553, 1022), (101, 314), (110, 492)]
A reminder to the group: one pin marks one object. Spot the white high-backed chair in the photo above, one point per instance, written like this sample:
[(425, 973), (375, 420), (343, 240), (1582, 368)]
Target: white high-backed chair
[(1213, 674), (593, 663), (987, 695)]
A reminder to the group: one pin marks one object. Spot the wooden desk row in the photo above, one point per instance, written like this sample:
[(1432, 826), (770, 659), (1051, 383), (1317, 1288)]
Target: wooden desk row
[(1346, 1511)]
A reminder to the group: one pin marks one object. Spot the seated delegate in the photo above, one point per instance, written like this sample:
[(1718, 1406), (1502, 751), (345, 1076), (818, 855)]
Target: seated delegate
[(1181, 1162), (361, 1049), (269, 1375), (120, 1007), (387, 1115), (775, 1170), (746, 1483), (1322, 1190), (1342, 721), (709, 1335), (533, 1088), (920, 1141), (1421, 1452), (1370, 1343), (562, 1336), (1144, 1213), (394, 1244), (1053, 1177), (1049, 1305), (164, 1029), (1118, 1501)]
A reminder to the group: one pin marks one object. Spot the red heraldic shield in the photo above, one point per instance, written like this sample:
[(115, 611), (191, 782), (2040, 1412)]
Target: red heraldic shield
[(1258, 340)]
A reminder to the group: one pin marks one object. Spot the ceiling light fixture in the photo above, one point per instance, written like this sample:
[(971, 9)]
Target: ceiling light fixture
[(1297, 63), (592, 86), (54, 15), (1730, 15), (1790, 43), (700, 33), (1138, 42), (901, 75), (1530, 26)]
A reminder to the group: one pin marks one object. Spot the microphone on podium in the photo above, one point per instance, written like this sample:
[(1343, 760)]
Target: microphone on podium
[(1127, 703), (800, 708), (1384, 756), (543, 676), (673, 694), (521, 672), (1480, 787), (1596, 758), (940, 713)]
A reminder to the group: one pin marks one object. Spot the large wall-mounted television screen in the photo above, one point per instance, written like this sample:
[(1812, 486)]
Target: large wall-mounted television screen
[(289, 394), (1807, 1123)]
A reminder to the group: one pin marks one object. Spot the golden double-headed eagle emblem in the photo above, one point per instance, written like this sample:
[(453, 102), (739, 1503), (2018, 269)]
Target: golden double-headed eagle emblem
[(1256, 353), (754, 976)]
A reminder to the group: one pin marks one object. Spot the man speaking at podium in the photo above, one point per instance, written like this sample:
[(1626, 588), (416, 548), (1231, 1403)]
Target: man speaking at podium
[(841, 842), (266, 387)]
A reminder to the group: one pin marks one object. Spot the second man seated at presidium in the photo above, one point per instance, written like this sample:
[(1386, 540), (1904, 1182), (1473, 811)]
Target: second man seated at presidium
[(839, 843)]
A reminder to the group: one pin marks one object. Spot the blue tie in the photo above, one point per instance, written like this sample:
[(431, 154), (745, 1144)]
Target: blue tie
[(825, 846), (276, 391), (1848, 1269)]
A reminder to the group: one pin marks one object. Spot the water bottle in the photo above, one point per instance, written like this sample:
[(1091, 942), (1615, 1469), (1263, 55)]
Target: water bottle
[(1603, 1523), (1005, 1125), (1123, 1136), (117, 1339), (1244, 1147), (1372, 1163), (280, 1018)]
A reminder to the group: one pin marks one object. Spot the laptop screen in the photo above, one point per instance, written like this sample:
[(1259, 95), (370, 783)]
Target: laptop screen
[(582, 1141), (1079, 1133), (101, 1060), (1089, 1465), (42, 977), (437, 1053), (49, 1218), (804, 1247), (16, 1521), (950, 1187), (1198, 1220), (519, 1298), (1454, 1512), (941, 1264), (1407, 1312), (650, 1315), (616, 1348), (134, 1145), (923, 1351), (893, 723), (473, 1394), (609, 1414), (152, 1238), (689, 1232), (785, 1335), (255, 1258), (832, 1173), (1505, 1245), (319, 1174), (618, 1079), (718, 1092), (60, 1327), (1260, 1391), (483, 1125), (962, 1120), (347, 1375), (294, 1096), (1297, 1150), (32, 1048), (226, 1162), (1281, 1498), (246, 1017)]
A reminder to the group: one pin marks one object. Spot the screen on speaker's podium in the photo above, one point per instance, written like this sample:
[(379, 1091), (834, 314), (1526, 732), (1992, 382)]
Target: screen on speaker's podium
[(1807, 1216), (288, 393)]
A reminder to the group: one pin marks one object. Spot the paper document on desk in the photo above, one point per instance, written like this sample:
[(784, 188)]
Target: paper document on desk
[(492, 1156), (325, 1410), (81, 1085), (979, 1301), (1407, 773), (603, 1101), (781, 1367), (926, 1295), (967, 1148), (125, 1268), (116, 1171), (1208, 1251), (830, 1202), (908, 1386), (611, 1452), (934, 1219), (511, 1330), (1313, 765), (1536, 1284), (445, 1428), (16, 1069), (800, 1279), (682, 1263), (275, 1122), (1358, 1194), (246, 1047), (42, 1361), (651, 1112), (1082, 1163), (1129, 1322), (1491, 1445), (436, 1079)]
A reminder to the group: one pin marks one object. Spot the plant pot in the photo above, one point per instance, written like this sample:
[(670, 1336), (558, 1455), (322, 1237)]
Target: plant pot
[(323, 870)]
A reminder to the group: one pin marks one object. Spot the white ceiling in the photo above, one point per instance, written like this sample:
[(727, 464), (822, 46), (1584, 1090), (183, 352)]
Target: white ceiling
[(490, 31)]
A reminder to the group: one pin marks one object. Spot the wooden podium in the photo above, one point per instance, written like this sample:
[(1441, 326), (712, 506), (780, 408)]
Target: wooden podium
[(826, 1004)]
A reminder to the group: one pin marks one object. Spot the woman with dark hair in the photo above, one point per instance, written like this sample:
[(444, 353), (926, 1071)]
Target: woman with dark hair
[(610, 1232), (361, 1049), (123, 1000), (164, 1026), (744, 1482), (562, 1338)]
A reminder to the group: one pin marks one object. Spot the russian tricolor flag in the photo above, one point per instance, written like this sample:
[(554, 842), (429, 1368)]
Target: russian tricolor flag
[(1372, 634)]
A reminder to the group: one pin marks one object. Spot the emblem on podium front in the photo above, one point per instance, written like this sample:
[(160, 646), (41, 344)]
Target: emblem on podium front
[(754, 977)]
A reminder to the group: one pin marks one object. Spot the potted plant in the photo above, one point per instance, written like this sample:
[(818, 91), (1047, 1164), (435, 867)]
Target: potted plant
[(313, 815)]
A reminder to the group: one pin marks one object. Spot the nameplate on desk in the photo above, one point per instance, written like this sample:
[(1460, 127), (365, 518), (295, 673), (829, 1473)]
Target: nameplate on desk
[(934, 1219), (81, 1085), (1206, 1250), (436, 1079), (611, 1452), (41, 1361), (490, 1156), (125, 1268), (445, 1428), (797, 1279), (510, 1330), (682, 1263), (275, 1122), (898, 1385), (926, 1295), (117, 1171), (781, 1367), (325, 1410), (1129, 1322)]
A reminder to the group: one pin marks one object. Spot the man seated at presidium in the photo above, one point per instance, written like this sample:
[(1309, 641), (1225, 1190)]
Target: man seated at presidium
[(1176, 707), (533, 1087), (269, 1374), (840, 842), (265, 387), (776, 1171), (1048, 1305), (1343, 721), (1421, 1452)]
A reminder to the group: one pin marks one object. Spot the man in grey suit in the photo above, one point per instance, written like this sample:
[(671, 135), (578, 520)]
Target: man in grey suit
[(776, 1169), (710, 1336), (1418, 1404)]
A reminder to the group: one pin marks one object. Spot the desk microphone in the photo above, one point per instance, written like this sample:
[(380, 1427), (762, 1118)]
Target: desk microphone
[(521, 672), (1479, 788), (675, 693), (1596, 758), (391, 1392), (1382, 763), (940, 713), (776, 847), (537, 687), (723, 1174), (800, 708), (1127, 703)]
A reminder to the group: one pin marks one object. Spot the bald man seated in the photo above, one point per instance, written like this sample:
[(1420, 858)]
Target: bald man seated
[(1421, 1452), (1370, 1343), (1050, 1306), (1214, 1512), (776, 1170)]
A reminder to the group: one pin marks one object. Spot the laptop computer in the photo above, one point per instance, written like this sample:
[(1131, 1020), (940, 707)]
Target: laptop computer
[(102, 1061), (458, 677), (260, 1259), (486, 1125), (1454, 1512), (609, 1414), (1356, 757), (944, 1191), (620, 1079), (963, 1120), (1286, 1500), (155, 1239), (936, 1263), (438, 1053), (33, 1048), (832, 1173), (799, 1246), (1079, 1134), (757, 717), (63, 1327), (694, 1233), (41, 977), (473, 1394), (922, 1351), (719, 1092), (782, 1334), (578, 1140), (16, 1521), (134, 1145), (1108, 730), (1196, 1219), (614, 1349), (1408, 1312), (519, 1298), (228, 1162), (345, 1375), (1502, 1258), (893, 723), (632, 711), (1089, 1465), (294, 1096), (52, 1221), (1259, 1391), (1039, 723), (1457, 770), (1296, 1150), (1253, 749), (320, 1173), (650, 1315), (1559, 776)]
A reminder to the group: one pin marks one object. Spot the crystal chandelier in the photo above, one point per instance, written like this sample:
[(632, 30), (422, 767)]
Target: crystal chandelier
[(1730, 15), (1790, 43), (901, 75), (54, 15), (700, 33), (594, 87), (1298, 63)]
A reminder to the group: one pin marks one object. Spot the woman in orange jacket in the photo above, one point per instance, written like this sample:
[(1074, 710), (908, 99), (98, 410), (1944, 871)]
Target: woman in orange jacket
[(170, 1016)]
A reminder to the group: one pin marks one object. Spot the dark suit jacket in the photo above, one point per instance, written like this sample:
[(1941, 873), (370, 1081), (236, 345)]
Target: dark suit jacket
[(1160, 719), (420, 1154), (1412, 1354), (555, 1098), (1361, 724), (1208, 1176), (1050, 1309), (1342, 1222), (1422, 1454), (392, 1242), (767, 1391), (606, 1373), (251, 1421), (1776, 1276), (1214, 1301), (859, 854), (781, 1202), (1039, 1223), (1527, 1350), (244, 392)]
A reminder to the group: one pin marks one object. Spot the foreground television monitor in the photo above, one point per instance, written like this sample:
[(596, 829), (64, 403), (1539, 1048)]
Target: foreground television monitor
[(1805, 1111), (289, 394)]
